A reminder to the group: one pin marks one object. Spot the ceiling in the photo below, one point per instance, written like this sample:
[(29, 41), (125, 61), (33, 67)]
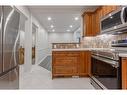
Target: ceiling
[(61, 16)]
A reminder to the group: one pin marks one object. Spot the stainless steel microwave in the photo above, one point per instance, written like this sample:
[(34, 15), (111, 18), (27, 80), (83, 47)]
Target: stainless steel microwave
[(115, 22)]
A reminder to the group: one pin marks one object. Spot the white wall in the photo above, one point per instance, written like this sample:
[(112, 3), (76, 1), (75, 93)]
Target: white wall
[(22, 38), (63, 37), (60, 37), (41, 40), (77, 34)]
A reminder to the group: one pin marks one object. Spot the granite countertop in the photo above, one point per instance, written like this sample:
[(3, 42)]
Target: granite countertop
[(81, 49), (121, 54)]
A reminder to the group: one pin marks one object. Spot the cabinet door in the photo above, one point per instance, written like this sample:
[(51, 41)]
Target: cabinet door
[(124, 73), (88, 61), (65, 63), (108, 9), (98, 15), (87, 24), (84, 65)]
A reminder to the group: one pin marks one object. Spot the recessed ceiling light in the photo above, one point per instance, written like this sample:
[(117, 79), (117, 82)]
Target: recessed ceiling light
[(51, 26), (68, 30), (53, 30), (49, 18), (71, 26), (76, 18)]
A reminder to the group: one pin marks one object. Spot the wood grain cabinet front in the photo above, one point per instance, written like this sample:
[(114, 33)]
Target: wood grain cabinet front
[(84, 65), (124, 73), (70, 63)]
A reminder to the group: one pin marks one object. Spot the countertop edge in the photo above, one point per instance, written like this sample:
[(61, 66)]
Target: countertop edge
[(81, 49), (122, 55), (89, 49)]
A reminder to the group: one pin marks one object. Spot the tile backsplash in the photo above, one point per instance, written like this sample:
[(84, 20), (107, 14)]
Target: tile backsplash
[(65, 45), (101, 41)]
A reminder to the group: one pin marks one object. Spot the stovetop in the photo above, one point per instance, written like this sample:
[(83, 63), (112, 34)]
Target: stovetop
[(111, 54)]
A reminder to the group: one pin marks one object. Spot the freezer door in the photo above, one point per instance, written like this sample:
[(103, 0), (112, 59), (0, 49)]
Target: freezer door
[(1, 39), (10, 37), (10, 80)]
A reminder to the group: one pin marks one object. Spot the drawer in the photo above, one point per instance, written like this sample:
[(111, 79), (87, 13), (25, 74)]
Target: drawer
[(66, 53), (64, 70), (66, 61)]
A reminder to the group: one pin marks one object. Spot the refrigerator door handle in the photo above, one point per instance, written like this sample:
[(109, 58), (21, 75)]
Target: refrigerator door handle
[(14, 48), (1, 48)]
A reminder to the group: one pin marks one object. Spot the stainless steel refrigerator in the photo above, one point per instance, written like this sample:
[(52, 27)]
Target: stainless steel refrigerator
[(9, 44)]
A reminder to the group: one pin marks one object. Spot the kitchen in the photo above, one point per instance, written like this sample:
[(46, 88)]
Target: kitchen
[(98, 52), (101, 55)]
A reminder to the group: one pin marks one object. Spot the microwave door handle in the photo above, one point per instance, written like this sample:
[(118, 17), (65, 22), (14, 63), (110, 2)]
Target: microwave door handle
[(122, 12)]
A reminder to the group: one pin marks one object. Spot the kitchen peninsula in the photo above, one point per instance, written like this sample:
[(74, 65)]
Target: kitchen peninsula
[(71, 61)]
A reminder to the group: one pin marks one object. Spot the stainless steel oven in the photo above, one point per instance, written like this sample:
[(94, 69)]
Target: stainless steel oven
[(106, 70)]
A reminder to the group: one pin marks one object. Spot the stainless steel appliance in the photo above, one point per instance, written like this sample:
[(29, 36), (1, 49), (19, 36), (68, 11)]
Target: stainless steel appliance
[(115, 22), (119, 43), (9, 70), (106, 70)]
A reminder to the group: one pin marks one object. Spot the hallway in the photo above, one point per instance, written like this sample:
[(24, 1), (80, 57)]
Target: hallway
[(40, 78)]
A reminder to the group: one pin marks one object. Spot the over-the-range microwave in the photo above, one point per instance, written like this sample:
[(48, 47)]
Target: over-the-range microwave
[(115, 22)]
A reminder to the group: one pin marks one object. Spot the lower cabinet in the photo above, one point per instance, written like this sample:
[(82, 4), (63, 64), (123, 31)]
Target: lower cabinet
[(70, 63), (124, 73)]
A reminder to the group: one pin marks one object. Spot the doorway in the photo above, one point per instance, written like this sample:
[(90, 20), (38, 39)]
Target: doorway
[(34, 31)]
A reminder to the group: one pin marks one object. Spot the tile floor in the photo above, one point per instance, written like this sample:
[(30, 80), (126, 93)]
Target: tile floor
[(46, 63), (40, 78)]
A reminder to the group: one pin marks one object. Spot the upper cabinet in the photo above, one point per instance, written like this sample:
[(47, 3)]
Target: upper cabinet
[(91, 20), (107, 9), (87, 24)]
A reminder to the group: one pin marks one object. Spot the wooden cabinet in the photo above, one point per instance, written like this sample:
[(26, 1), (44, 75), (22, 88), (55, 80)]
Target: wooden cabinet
[(108, 9), (65, 63), (91, 20), (88, 24), (70, 63), (124, 73), (84, 65)]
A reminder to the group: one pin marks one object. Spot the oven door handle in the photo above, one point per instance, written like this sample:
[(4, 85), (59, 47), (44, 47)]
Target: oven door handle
[(108, 61)]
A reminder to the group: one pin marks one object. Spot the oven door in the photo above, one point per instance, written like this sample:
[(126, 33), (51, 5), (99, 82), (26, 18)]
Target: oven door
[(106, 72)]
